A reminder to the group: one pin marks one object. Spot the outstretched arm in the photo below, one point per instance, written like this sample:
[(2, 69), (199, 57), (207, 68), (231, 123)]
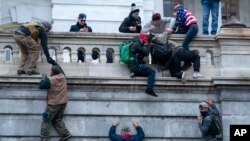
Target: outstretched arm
[(140, 133), (112, 135)]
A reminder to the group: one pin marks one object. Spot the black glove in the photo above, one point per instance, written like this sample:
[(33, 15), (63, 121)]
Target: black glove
[(51, 61)]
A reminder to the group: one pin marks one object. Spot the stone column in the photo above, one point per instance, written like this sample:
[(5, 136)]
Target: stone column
[(235, 52), (233, 19)]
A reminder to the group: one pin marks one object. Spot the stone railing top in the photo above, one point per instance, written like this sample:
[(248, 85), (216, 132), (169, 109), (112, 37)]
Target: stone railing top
[(108, 35)]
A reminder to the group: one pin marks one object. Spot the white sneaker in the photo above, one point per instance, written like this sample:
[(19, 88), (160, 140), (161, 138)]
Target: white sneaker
[(183, 75), (197, 75)]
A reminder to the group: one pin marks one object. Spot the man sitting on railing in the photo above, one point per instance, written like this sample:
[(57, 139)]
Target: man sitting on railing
[(177, 55)]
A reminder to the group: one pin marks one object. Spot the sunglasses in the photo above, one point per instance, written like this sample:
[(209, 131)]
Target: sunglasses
[(82, 20)]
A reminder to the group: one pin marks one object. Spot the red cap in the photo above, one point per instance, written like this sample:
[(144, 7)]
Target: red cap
[(144, 37), (156, 16)]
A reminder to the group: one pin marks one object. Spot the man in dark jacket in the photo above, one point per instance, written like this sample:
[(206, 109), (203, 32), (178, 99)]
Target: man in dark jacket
[(184, 55), (81, 25), (205, 119), (126, 134), (132, 23), (177, 55), (138, 50), (56, 86), (26, 37)]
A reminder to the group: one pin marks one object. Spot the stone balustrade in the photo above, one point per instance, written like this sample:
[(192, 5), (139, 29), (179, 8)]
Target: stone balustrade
[(62, 41)]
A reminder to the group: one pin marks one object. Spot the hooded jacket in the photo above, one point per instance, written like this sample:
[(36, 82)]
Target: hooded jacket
[(130, 21), (138, 51)]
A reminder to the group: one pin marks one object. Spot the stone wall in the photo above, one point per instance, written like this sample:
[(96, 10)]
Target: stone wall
[(101, 92)]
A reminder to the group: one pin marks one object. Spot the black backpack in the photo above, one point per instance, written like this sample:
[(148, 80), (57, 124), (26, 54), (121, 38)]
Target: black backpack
[(216, 126), (160, 53)]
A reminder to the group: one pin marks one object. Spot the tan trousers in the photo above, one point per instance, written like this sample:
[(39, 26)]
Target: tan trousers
[(29, 50)]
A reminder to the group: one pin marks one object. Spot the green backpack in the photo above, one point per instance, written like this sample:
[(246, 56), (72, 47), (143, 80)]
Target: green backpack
[(124, 52)]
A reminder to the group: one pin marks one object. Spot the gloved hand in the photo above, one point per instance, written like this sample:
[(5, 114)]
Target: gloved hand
[(51, 61)]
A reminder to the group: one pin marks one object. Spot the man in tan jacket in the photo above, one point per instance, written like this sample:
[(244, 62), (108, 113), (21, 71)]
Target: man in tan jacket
[(57, 101)]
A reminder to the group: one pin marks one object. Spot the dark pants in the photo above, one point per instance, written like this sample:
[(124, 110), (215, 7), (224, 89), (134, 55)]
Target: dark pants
[(183, 55), (142, 70), (54, 117), (190, 35)]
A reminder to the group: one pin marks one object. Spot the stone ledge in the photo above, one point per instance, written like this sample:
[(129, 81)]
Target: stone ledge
[(125, 80), (163, 81)]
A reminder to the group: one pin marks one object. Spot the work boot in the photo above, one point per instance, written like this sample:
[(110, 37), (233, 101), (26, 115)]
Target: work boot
[(33, 72), (150, 92), (65, 137), (20, 72)]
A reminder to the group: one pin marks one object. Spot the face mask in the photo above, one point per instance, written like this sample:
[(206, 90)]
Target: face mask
[(203, 113), (136, 16)]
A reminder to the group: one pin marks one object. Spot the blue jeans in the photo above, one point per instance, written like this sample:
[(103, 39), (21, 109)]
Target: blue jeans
[(212, 6), (190, 35), (142, 70)]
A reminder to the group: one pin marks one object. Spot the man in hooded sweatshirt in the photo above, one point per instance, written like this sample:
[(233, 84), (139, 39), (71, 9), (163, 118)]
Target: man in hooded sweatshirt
[(205, 120), (126, 134), (132, 23)]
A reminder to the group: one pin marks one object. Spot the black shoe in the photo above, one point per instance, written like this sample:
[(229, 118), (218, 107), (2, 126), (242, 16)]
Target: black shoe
[(150, 92), (65, 137), (33, 73), (20, 72), (186, 66)]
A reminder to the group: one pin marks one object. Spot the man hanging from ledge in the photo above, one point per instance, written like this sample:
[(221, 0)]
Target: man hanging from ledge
[(27, 38), (139, 49), (56, 86)]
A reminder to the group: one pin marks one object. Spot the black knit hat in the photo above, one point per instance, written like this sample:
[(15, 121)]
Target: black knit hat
[(134, 8)]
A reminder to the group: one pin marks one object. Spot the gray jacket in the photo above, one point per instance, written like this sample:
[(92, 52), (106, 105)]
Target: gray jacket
[(207, 135), (170, 21)]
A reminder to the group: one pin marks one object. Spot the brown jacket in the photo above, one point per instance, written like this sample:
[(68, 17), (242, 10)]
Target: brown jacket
[(57, 93)]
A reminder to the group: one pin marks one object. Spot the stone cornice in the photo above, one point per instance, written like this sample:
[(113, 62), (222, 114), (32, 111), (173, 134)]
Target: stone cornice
[(160, 81), (234, 33)]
